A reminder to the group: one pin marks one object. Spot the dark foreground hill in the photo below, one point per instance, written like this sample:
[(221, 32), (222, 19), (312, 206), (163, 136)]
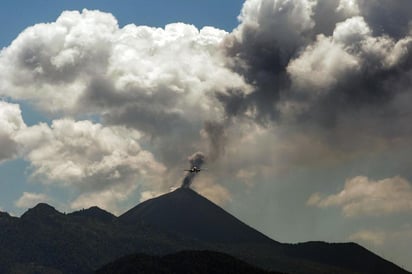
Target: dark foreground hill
[(44, 240), (184, 262)]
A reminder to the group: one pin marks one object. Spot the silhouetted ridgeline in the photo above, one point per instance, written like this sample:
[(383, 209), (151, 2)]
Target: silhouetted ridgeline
[(44, 240)]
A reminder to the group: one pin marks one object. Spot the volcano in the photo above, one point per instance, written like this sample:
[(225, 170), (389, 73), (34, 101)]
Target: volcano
[(185, 212)]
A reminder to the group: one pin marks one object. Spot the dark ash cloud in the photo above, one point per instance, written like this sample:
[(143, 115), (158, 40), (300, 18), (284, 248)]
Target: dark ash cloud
[(215, 133), (345, 57), (195, 160), (392, 18)]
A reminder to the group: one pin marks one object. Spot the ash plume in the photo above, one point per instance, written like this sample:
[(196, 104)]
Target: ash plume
[(216, 135), (278, 61), (196, 160)]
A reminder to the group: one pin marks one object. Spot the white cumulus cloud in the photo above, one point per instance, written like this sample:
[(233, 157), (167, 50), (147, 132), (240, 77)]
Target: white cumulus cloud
[(84, 58), (362, 196), (86, 154), (29, 199), (352, 51), (11, 122), (108, 198), (159, 81), (314, 70), (104, 164), (372, 237)]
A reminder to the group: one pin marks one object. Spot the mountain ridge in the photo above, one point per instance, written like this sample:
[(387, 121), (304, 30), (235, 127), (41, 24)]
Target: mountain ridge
[(82, 241)]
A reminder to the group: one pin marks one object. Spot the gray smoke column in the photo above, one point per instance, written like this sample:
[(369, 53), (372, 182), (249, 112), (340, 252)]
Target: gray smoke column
[(196, 160), (215, 132)]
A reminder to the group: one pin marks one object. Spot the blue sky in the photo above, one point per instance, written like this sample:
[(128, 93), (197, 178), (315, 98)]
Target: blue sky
[(302, 109)]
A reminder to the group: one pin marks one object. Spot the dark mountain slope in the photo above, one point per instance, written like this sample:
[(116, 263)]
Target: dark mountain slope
[(184, 262), (185, 212), (346, 255)]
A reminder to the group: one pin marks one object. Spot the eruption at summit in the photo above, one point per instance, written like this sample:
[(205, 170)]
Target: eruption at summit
[(196, 161)]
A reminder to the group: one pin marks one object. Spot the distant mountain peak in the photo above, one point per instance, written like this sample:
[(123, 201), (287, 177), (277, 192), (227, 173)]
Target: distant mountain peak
[(41, 210), (94, 212)]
